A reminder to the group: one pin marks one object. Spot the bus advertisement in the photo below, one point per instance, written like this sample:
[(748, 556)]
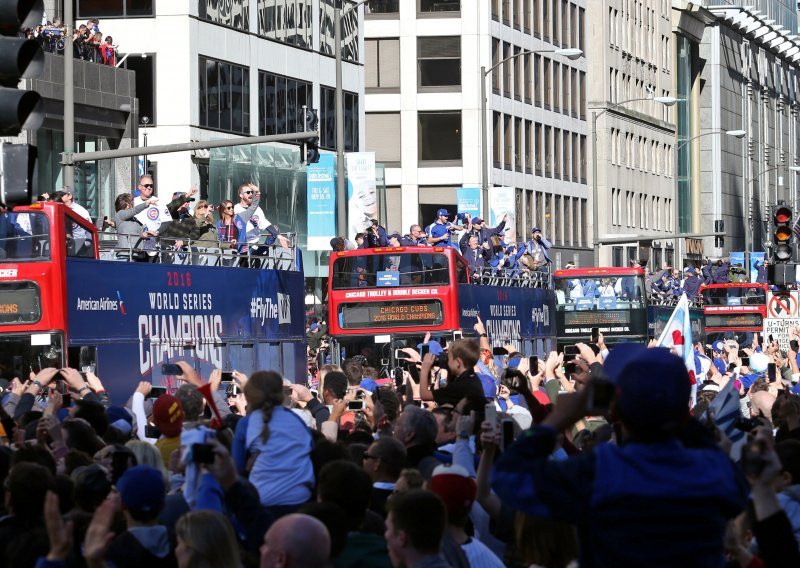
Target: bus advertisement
[(384, 299), (125, 319), (734, 310)]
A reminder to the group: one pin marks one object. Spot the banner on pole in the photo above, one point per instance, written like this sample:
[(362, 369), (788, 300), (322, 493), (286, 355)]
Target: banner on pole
[(362, 198), (502, 202), (321, 198)]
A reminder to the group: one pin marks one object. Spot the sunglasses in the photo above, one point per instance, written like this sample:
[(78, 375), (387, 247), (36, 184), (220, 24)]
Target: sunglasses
[(202, 207), (147, 185), (246, 192), (229, 209)]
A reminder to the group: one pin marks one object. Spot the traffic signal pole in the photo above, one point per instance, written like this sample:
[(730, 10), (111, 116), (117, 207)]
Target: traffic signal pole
[(68, 171), (72, 158)]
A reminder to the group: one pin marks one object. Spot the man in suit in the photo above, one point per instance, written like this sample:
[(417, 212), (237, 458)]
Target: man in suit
[(383, 461)]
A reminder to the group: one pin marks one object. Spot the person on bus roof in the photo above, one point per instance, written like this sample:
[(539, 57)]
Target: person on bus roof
[(537, 248), (376, 236), (477, 256), (414, 238), (476, 226), (439, 232), (706, 271), (721, 272), (761, 271), (692, 284)]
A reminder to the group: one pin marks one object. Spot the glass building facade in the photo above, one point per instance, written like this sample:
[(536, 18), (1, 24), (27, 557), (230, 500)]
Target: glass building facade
[(683, 131)]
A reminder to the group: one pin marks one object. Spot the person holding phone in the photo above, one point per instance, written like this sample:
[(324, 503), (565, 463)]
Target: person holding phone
[(628, 523), (462, 356)]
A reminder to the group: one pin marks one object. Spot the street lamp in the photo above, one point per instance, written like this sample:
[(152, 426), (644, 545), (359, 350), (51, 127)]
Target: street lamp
[(748, 202), (666, 101), (569, 52), (341, 185), (734, 133)]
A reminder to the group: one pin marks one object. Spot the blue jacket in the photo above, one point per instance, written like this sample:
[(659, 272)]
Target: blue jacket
[(658, 504), (692, 286), (721, 273), (790, 503)]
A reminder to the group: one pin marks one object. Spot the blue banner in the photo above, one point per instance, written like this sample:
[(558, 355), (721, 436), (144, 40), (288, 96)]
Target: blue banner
[(469, 200), (737, 261), (321, 192), (510, 315), (756, 263), (141, 315)]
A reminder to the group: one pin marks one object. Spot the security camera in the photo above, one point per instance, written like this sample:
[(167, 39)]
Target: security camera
[(145, 120)]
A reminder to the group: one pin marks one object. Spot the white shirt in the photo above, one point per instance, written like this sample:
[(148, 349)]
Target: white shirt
[(80, 210), (480, 555), (258, 222), (577, 289)]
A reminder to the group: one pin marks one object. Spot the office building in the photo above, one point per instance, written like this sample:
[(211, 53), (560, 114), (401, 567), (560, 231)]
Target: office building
[(423, 110)]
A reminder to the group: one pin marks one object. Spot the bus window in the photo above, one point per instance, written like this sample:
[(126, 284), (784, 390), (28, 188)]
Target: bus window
[(603, 292), (79, 241), (461, 271), (414, 269), (24, 236)]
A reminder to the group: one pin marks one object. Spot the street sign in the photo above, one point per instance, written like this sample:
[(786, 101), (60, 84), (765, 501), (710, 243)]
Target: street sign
[(783, 305)]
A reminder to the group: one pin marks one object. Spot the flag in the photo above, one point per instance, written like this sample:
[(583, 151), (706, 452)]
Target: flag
[(677, 335), (726, 412)]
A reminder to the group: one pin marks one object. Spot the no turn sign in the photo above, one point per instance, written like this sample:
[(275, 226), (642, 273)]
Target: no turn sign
[(783, 305)]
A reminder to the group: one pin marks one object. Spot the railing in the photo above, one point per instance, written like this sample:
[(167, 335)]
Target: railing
[(200, 253), (513, 277), (669, 299)]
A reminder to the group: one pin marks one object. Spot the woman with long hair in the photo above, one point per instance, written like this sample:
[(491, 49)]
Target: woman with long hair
[(276, 444), (206, 540), (226, 229)]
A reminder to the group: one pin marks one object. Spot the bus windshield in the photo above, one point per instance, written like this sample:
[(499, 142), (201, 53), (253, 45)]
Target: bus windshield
[(24, 236), (604, 292), (370, 271), (734, 296)]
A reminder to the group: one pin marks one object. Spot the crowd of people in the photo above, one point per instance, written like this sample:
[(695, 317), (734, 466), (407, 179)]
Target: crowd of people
[(468, 456), (486, 250), (87, 41)]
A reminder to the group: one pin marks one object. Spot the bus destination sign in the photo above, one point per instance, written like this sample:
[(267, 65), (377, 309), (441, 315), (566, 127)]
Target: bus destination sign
[(19, 303), (392, 314)]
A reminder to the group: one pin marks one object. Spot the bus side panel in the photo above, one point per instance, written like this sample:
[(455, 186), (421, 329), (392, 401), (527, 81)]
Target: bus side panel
[(510, 315), (141, 315)]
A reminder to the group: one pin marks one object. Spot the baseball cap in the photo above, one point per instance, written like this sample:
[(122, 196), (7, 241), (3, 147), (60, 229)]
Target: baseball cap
[(456, 488), (477, 220), (759, 362), (120, 419), (168, 415), (718, 346), (653, 386), (536, 229), (397, 236), (141, 489), (441, 212), (313, 327)]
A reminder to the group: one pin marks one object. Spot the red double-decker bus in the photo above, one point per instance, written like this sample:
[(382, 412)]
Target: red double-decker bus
[(735, 310), (382, 299), (62, 303)]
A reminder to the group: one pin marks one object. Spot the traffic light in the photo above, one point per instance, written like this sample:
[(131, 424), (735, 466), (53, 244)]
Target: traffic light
[(18, 174), (312, 144), (782, 233), (20, 58)]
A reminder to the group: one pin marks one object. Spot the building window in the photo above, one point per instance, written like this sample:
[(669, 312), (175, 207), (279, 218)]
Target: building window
[(289, 21), (547, 83), (495, 61), (575, 158), (382, 65), (496, 138), (528, 147), (383, 136), (509, 143), (114, 8), (327, 119), (439, 136), (538, 148), (280, 103), (518, 144), (382, 7), (430, 6), (326, 30), (537, 91), (507, 70), (517, 67), (526, 77), (438, 61), (546, 23), (224, 96), (557, 153), (145, 68), (233, 14), (548, 152)]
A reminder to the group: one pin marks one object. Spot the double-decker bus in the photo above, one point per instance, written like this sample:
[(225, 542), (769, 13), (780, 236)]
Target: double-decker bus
[(615, 301), (734, 311), (61, 304), (382, 299)]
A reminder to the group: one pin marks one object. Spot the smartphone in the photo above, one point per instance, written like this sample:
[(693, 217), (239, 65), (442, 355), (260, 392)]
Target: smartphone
[(227, 376), (499, 351), (491, 416), (794, 345), (709, 353), (770, 339), (62, 387), (507, 433), (171, 369), (745, 361), (423, 350), (458, 334), (731, 367), (601, 393), (571, 351), (156, 392), (570, 367), (595, 334), (771, 372), (356, 405), (533, 363), (398, 378), (231, 388), (203, 453), (400, 355)]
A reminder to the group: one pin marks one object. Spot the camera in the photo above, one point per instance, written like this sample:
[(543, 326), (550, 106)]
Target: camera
[(202, 453)]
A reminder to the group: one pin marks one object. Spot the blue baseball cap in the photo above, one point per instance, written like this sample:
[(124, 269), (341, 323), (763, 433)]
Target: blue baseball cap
[(535, 230), (441, 212)]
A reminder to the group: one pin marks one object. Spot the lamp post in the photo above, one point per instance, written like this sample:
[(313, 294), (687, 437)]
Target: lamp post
[(676, 209), (748, 217), (569, 53), (666, 101), (341, 185)]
